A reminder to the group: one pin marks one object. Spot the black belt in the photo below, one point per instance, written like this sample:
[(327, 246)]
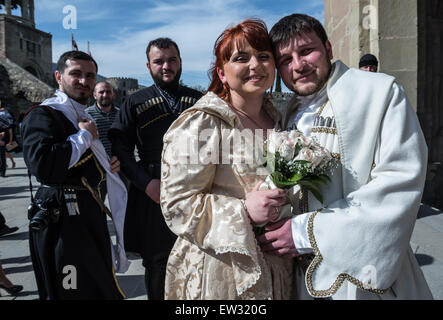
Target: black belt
[(64, 187)]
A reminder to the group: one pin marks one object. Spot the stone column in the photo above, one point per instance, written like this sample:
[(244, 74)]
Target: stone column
[(8, 7), (25, 9), (31, 12)]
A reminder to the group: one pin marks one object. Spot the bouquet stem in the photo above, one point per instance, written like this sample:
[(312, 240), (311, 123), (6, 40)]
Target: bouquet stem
[(304, 200)]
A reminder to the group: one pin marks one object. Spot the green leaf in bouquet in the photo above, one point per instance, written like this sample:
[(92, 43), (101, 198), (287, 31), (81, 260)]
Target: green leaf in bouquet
[(297, 176), (321, 179), (302, 162), (324, 178), (298, 147), (279, 180), (313, 187)]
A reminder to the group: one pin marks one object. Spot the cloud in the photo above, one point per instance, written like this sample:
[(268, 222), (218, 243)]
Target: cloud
[(124, 28)]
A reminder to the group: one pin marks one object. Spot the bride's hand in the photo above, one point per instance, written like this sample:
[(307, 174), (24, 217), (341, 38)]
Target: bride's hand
[(264, 206)]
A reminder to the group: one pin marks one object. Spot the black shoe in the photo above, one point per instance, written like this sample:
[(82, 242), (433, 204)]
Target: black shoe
[(6, 230), (14, 290), (3, 174)]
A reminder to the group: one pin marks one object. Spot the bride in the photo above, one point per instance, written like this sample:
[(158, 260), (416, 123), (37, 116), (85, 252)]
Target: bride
[(210, 195)]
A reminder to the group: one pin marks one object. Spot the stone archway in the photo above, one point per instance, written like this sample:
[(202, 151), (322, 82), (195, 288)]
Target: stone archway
[(33, 71)]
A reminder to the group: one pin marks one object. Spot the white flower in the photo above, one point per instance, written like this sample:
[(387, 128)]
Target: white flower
[(293, 135), (305, 154), (319, 155), (287, 150), (275, 140), (305, 141)]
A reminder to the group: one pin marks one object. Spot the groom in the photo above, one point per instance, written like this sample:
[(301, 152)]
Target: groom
[(359, 236)]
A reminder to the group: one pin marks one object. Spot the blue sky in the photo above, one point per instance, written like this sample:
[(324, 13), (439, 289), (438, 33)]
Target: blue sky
[(119, 30)]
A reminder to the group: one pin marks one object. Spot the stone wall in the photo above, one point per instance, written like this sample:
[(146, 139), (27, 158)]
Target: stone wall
[(387, 29), (407, 37), (398, 31)]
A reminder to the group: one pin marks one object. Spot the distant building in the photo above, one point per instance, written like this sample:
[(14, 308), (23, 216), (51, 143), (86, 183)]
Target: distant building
[(123, 87), (26, 76), (22, 43)]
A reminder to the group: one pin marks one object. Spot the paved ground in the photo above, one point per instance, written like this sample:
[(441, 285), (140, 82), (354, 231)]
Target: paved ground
[(14, 249), (427, 243)]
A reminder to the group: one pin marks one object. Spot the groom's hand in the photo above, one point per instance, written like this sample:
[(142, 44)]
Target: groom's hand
[(278, 239), (89, 125)]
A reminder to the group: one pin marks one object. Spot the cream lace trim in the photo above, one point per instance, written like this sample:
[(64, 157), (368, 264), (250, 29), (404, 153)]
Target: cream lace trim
[(257, 270), (242, 290), (341, 277)]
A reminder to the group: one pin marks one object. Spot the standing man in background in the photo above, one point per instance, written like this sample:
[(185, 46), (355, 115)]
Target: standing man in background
[(368, 63), (103, 112), (144, 118)]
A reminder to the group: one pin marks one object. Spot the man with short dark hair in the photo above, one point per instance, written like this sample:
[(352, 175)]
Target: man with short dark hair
[(369, 63), (144, 118), (355, 244), (71, 250), (103, 111)]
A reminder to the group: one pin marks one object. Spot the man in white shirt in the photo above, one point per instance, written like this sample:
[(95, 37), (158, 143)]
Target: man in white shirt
[(354, 245)]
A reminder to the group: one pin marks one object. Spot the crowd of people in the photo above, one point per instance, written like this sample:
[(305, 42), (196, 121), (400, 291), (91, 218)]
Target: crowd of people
[(191, 216)]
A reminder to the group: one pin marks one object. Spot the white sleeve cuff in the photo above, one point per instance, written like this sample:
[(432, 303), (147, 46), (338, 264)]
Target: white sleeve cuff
[(300, 233), (80, 141)]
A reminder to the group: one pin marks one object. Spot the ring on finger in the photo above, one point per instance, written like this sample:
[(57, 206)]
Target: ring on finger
[(276, 212)]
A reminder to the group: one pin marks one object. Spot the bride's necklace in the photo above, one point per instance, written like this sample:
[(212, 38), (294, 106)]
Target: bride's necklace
[(247, 116)]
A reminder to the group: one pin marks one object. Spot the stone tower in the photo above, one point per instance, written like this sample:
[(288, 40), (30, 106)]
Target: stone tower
[(123, 87), (407, 38), (22, 43)]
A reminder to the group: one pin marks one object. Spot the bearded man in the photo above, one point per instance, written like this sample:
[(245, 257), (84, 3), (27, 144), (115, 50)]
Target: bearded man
[(144, 118), (355, 244)]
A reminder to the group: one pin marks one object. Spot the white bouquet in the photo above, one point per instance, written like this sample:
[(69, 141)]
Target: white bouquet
[(293, 159)]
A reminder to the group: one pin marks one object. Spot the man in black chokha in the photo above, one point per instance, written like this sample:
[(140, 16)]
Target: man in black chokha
[(144, 118), (71, 250)]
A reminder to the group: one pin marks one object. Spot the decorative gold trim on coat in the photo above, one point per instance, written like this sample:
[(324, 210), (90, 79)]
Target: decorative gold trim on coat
[(189, 100), (148, 105), (324, 130), (336, 156), (83, 161), (341, 277), (322, 108), (117, 284), (152, 121)]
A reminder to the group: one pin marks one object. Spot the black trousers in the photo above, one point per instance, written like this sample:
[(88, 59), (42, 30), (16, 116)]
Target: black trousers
[(155, 273), (2, 159), (146, 233)]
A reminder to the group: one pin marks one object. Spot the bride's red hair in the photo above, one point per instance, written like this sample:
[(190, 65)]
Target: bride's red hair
[(252, 31)]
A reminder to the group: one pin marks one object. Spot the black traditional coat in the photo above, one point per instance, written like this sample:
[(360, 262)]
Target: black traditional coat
[(72, 257), (144, 118)]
